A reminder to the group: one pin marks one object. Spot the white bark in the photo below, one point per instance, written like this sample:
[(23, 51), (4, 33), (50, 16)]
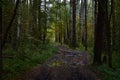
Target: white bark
[(19, 22)]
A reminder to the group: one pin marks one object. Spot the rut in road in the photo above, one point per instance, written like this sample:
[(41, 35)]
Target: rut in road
[(67, 64)]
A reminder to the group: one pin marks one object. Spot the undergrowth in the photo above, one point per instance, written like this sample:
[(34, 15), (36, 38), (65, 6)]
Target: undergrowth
[(25, 57), (111, 73)]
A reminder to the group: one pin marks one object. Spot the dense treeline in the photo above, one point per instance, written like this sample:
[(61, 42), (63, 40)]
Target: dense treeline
[(90, 25)]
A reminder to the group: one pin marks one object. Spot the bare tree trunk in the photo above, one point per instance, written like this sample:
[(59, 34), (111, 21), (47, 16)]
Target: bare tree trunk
[(60, 27), (45, 27), (113, 27), (19, 23), (79, 29), (93, 17), (85, 24), (56, 28), (73, 23), (65, 23), (31, 22), (39, 20), (1, 65), (109, 35), (10, 24), (98, 44), (28, 16), (82, 19)]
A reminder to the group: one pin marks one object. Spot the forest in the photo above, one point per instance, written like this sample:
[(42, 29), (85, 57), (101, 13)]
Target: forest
[(59, 40)]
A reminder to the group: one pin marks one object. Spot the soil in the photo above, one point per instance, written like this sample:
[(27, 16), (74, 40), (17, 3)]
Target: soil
[(67, 64)]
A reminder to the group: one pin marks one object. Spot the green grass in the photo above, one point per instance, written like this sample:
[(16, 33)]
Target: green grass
[(57, 63), (26, 57), (111, 74)]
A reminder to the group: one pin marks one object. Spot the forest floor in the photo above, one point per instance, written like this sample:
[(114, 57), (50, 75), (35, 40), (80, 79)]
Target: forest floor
[(67, 64)]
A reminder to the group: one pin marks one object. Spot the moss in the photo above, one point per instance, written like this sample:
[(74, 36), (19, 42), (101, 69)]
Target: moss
[(57, 63)]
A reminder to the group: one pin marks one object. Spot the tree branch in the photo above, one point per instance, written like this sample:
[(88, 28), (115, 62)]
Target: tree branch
[(10, 24)]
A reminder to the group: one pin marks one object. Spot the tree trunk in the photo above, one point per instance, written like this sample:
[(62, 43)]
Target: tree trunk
[(60, 24), (109, 36), (83, 18), (113, 27), (79, 29), (85, 25), (65, 24), (10, 24), (1, 65), (39, 20), (73, 23), (45, 27), (56, 28), (98, 44), (31, 22), (19, 23)]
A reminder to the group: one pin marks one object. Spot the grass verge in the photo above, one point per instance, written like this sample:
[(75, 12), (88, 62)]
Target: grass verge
[(25, 57), (114, 73)]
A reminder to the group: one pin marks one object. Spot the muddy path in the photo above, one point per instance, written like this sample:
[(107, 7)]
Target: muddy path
[(70, 57), (67, 64)]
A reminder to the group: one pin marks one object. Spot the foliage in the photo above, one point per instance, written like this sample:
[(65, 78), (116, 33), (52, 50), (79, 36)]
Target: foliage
[(39, 24), (57, 63), (27, 56), (111, 74)]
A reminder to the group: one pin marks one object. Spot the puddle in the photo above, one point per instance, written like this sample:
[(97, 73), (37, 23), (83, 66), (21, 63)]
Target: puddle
[(57, 63)]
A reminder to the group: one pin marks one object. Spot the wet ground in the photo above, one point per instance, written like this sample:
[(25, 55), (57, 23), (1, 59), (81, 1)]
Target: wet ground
[(70, 57), (67, 64)]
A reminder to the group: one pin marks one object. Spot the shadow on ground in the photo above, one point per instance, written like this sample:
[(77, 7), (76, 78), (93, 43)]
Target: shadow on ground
[(65, 72), (66, 65)]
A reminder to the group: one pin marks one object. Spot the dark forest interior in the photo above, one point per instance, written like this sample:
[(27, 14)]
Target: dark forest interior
[(59, 40)]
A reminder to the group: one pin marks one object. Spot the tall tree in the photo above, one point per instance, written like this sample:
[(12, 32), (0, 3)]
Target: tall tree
[(45, 22), (73, 22), (19, 22), (32, 13), (0, 40), (56, 26), (116, 29), (60, 22), (83, 18), (10, 24), (100, 23), (65, 24), (79, 29), (113, 26), (39, 19), (85, 24), (109, 37)]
